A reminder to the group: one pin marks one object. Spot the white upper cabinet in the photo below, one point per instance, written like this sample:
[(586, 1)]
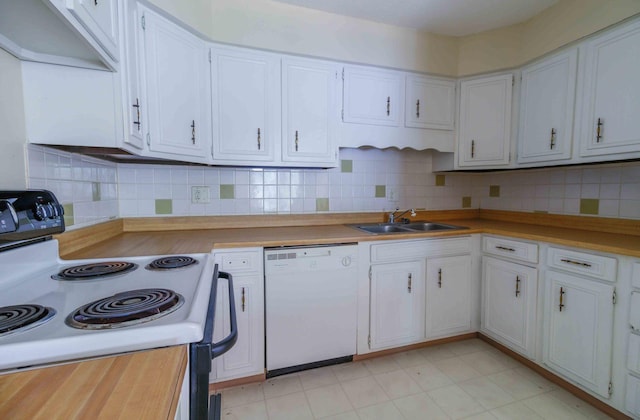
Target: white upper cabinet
[(372, 96), (430, 103), (611, 93), (100, 18), (132, 101), (485, 121), (309, 111), (246, 105), (177, 90), (547, 99)]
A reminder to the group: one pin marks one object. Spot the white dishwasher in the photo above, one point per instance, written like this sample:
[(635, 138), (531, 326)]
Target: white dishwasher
[(310, 306)]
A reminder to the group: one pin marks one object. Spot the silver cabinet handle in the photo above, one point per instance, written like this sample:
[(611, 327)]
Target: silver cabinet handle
[(562, 293), (296, 140), (439, 278), (418, 108), (504, 248), (243, 299), (581, 264), (552, 141), (517, 286), (599, 129), (473, 148), (388, 105), (409, 283), (193, 131), (258, 138)]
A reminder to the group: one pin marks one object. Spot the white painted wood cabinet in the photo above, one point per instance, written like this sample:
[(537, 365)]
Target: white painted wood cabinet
[(246, 358), (133, 104), (100, 18), (484, 136), (396, 304), (309, 111), (578, 329), (509, 299), (547, 100), (448, 296), (372, 96), (430, 102), (610, 94), (177, 90), (246, 105)]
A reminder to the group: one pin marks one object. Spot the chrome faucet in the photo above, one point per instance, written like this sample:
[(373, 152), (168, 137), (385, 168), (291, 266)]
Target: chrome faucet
[(393, 216)]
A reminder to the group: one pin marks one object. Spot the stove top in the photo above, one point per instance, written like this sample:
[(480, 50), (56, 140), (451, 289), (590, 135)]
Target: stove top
[(172, 304)]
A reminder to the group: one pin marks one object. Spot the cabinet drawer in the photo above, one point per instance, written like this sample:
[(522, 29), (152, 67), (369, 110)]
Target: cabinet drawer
[(633, 354), (410, 250), (517, 250), (597, 266), (633, 395), (239, 261)]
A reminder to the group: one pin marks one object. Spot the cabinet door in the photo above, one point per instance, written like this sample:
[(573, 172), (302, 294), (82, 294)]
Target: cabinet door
[(135, 125), (397, 304), (246, 105), (100, 18), (372, 96), (246, 358), (430, 103), (509, 304), (485, 121), (611, 101), (448, 290), (547, 102), (177, 88), (578, 330), (309, 110)]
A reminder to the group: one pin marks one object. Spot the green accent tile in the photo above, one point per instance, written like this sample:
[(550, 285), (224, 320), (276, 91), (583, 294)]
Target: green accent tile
[(346, 165), (164, 206), (381, 191), (466, 202), (227, 191), (494, 190), (95, 191), (589, 206), (440, 180), (68, 214), (322, 204)]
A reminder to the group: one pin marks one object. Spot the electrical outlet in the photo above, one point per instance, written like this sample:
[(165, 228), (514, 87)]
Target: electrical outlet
[(200, 195)]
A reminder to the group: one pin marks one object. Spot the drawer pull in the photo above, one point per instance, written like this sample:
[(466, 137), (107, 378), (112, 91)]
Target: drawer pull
[(409, 283), (517, 286), (562, 305), (504, 248), (440, 278), (581, 264)]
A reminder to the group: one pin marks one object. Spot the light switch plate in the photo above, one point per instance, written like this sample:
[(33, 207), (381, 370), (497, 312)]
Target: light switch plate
[(200, 195)]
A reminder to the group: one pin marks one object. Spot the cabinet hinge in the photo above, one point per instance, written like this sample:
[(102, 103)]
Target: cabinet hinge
[(513, 80), (343, 74), (610, 389), (369, 340), (615, 297), (143, 23), (342, 114), (209, 55), (369, 272)]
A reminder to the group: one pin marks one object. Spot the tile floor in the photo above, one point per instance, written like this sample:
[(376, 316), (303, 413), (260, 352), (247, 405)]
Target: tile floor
[(466, 379)]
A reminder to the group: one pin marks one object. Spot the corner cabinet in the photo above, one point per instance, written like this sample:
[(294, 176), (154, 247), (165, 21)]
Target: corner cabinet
[(484, 137), (610, 94), (177, 90), (309, 111), (100, 19), (246, 358), (546, 109), (372, 96)]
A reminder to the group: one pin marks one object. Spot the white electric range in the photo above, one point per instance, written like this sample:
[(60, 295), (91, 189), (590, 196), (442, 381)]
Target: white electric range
[(54, 310)]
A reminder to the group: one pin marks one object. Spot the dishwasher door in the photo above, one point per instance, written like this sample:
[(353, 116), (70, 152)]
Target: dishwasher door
[(310, 305)]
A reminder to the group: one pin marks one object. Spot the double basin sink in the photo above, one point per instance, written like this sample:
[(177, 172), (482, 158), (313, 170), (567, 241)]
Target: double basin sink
[(412, 227)]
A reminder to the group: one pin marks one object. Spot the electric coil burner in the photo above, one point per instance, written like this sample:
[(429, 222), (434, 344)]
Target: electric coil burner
[(17, 318), (125, 309), (95, 270), (171, 262)]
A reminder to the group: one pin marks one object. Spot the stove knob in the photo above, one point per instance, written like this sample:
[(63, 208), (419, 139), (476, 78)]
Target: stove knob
[(58, 210), (43, 211)]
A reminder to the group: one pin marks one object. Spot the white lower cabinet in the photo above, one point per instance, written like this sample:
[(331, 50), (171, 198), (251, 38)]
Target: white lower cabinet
[(633, 395), (397, 304), (246, 358), (578, 317), (448, 296), (509, 296)]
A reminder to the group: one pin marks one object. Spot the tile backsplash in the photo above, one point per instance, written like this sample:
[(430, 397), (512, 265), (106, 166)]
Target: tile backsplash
[(94, 190)]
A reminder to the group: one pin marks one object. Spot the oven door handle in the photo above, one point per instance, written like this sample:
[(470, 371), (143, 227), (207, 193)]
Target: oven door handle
[(224, 345)]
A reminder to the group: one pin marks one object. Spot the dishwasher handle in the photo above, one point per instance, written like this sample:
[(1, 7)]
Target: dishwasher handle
[(224, 345)]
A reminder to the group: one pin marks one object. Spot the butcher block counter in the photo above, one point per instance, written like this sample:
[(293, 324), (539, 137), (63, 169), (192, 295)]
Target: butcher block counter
[(141, 385)]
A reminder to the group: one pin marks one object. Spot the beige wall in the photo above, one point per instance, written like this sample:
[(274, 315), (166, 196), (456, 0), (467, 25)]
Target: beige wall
[(563, 23), (195, 13), (12, 125)]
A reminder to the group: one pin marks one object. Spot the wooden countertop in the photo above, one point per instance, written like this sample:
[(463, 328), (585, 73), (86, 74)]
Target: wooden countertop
[(203, 240), (141, 385)]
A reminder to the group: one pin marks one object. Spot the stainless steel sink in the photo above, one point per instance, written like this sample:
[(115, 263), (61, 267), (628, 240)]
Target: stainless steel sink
[(414, 227)]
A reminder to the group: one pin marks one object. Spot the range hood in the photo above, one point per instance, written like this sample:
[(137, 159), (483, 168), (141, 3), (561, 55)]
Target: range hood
[(45, 31)]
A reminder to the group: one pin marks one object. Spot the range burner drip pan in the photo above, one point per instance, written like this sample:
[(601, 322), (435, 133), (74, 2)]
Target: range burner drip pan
[(95, 270), (18, 318), (125, 309), (171, 262)]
